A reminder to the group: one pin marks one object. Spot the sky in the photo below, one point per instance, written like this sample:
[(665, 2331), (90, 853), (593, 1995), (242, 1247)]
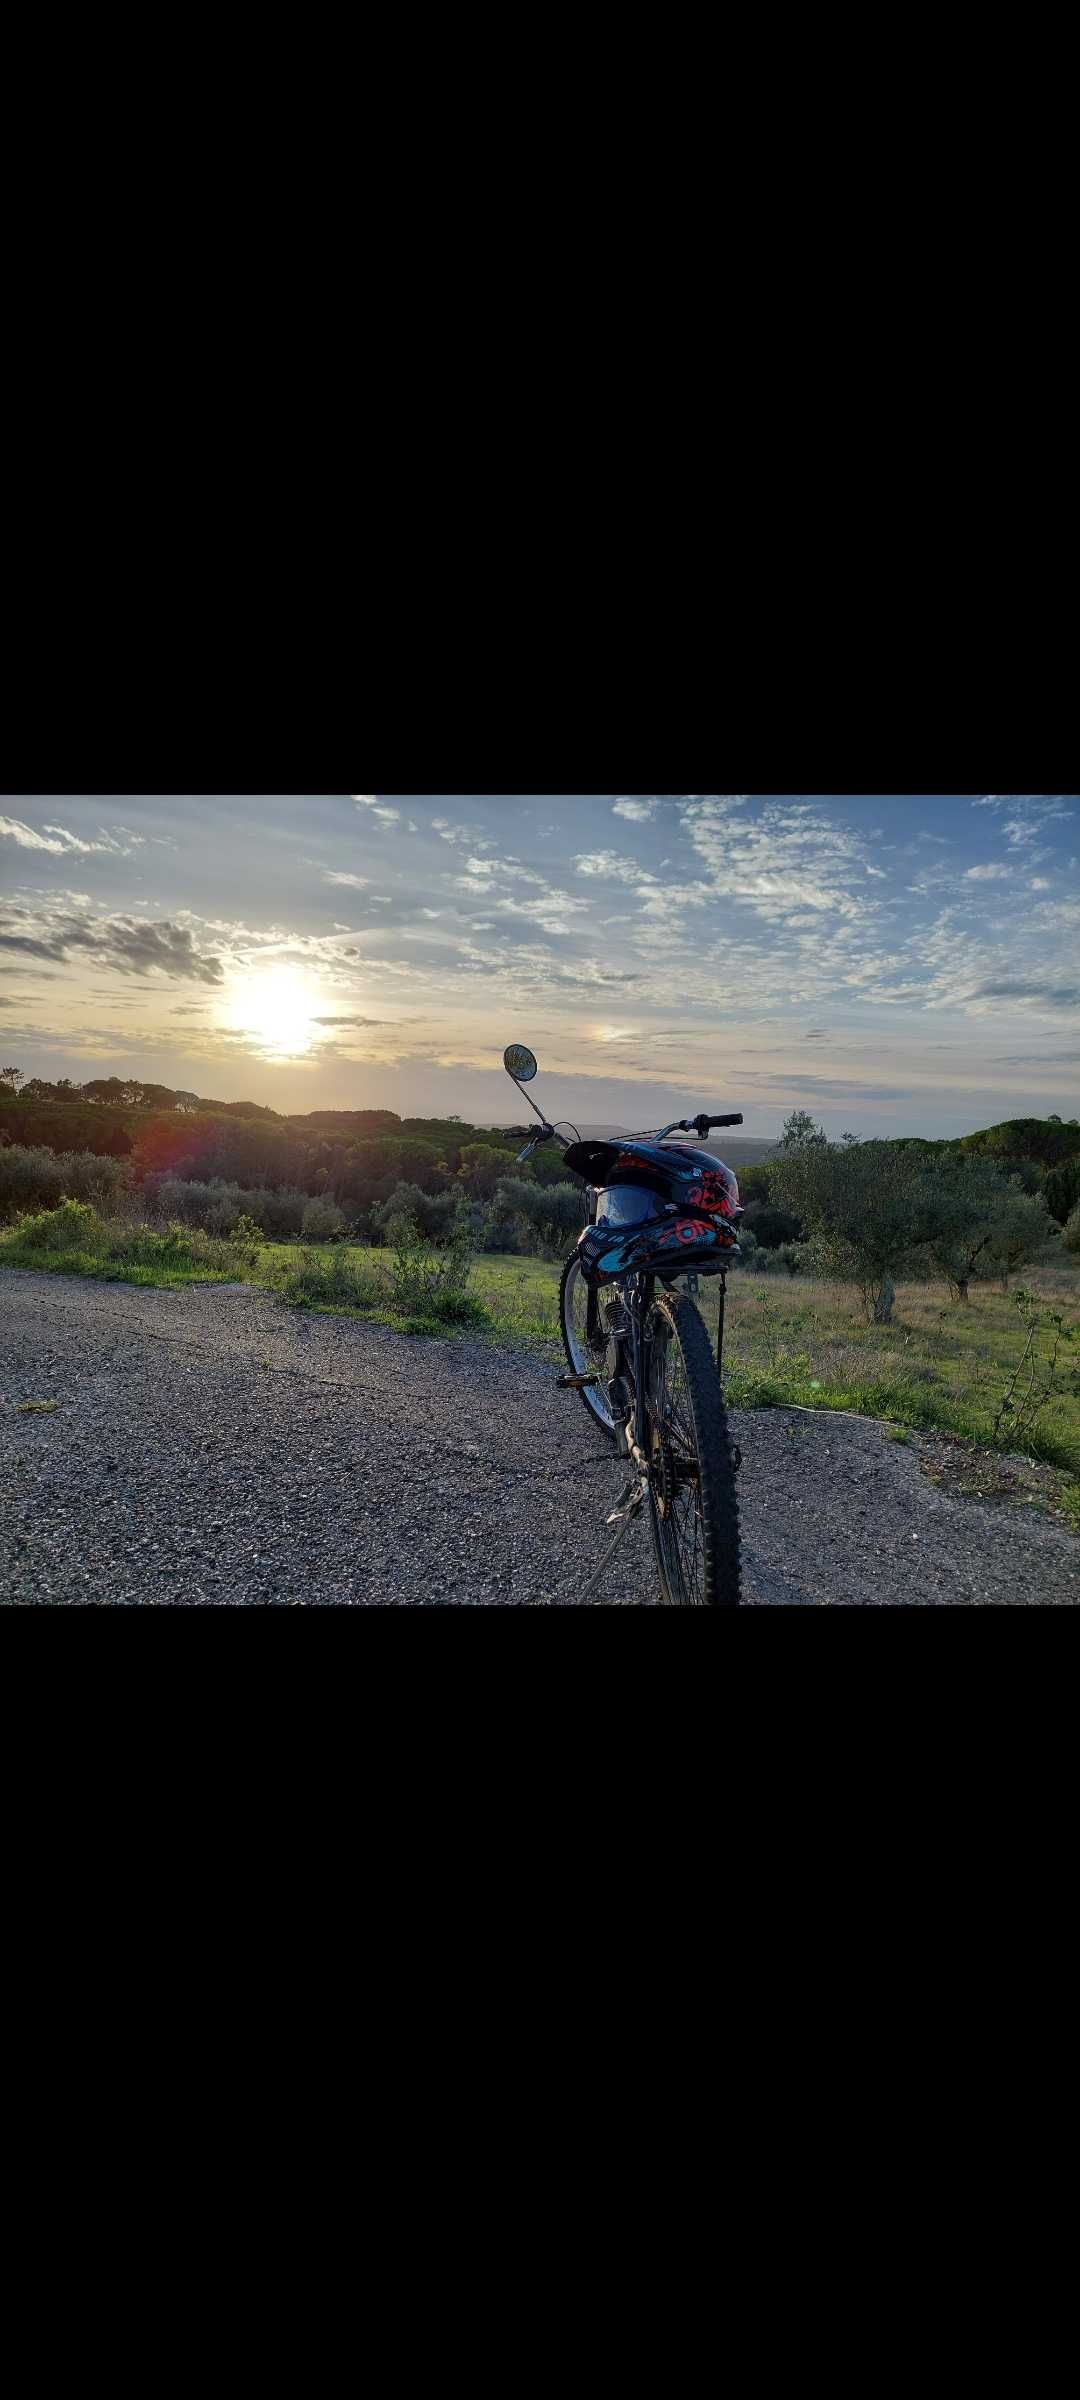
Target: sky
[(893, 964)]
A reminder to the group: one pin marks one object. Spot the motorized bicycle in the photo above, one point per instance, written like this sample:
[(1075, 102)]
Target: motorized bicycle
[(659, 1214)]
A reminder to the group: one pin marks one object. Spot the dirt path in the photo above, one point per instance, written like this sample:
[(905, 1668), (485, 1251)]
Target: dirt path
[(210, 1445)]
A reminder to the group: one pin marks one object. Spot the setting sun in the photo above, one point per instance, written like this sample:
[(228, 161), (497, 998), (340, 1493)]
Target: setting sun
[(275, 1007)]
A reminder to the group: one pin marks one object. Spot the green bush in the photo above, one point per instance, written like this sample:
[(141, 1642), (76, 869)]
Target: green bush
[(217, 1205), (323, 1221), (330, 1278), (75, 1236), (74, 1225), (544, 1219), (1071, 1235), (37, 1178), (429, 1284), (770, 1225), (787, 1258), (1061, 1191)]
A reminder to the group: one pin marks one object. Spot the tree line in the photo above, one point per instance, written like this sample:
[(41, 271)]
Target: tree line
[(980, 1205)]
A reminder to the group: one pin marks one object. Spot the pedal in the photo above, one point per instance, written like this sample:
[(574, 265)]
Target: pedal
[(575, 1383)]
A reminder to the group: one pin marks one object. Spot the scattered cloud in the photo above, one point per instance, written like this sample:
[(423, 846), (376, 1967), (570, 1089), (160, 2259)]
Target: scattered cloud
[(612, 867), (55, 838), (386, 816)]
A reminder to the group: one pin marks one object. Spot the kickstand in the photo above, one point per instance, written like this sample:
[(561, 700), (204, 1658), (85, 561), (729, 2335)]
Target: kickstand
[(622, 1515)]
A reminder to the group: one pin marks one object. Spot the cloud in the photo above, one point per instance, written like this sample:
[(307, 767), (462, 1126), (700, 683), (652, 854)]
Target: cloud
[(791, 856), (387, 816), (612, 867), (333, 875), (130, 945), (638, 811), (54, 838), (1029, 814), (992, 874), (348, 1020), (1015, 987), (550, 912)]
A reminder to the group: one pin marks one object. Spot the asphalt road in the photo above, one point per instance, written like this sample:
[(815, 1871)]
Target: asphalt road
[(212, 1446)]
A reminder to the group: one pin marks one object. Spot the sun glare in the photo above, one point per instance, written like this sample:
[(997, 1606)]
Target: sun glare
[(275, 1008)]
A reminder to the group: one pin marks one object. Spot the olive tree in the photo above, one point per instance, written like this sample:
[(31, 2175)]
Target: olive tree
[(978, 1220), (859, 1203)]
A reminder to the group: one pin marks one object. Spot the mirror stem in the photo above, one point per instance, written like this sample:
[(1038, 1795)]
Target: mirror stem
[(519, 1087)]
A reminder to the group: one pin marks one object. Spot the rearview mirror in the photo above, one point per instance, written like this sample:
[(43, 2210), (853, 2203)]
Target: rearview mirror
[(519, 1063)]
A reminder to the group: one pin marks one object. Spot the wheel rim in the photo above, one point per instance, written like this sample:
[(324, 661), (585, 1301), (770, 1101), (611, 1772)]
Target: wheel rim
[(583, 1358), (675, 1493)]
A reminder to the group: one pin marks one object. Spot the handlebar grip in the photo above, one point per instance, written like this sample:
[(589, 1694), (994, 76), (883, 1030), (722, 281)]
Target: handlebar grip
[(736, 1120)]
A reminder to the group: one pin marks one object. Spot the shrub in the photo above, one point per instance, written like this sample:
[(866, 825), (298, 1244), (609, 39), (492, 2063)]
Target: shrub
[(432, 1284), (772, 1226), (432, 1211), (74, 1225), (1062, 1189), (34, 1178), (543, 1218), (330, 1278), (1071, 1235), (322, 1221), (788, 1258), (75, 1232), (218, 1205)]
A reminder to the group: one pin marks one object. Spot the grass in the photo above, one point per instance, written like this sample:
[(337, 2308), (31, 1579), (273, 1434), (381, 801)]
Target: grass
[(516, 1298), (74, 1240), (942, 1366)]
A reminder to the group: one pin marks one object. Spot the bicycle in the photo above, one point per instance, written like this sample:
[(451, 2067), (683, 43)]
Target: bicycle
[(638, 1350)]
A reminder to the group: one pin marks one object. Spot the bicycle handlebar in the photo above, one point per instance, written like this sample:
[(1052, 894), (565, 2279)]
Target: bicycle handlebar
[(700, 1125)]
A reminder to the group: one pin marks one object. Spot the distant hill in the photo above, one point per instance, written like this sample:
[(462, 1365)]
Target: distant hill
[(740, 1150)]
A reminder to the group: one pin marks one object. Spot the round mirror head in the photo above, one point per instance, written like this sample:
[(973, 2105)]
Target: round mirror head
[(519, 1063)]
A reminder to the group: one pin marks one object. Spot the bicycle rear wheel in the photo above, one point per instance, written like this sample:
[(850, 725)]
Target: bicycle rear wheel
[(693, 1509)]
